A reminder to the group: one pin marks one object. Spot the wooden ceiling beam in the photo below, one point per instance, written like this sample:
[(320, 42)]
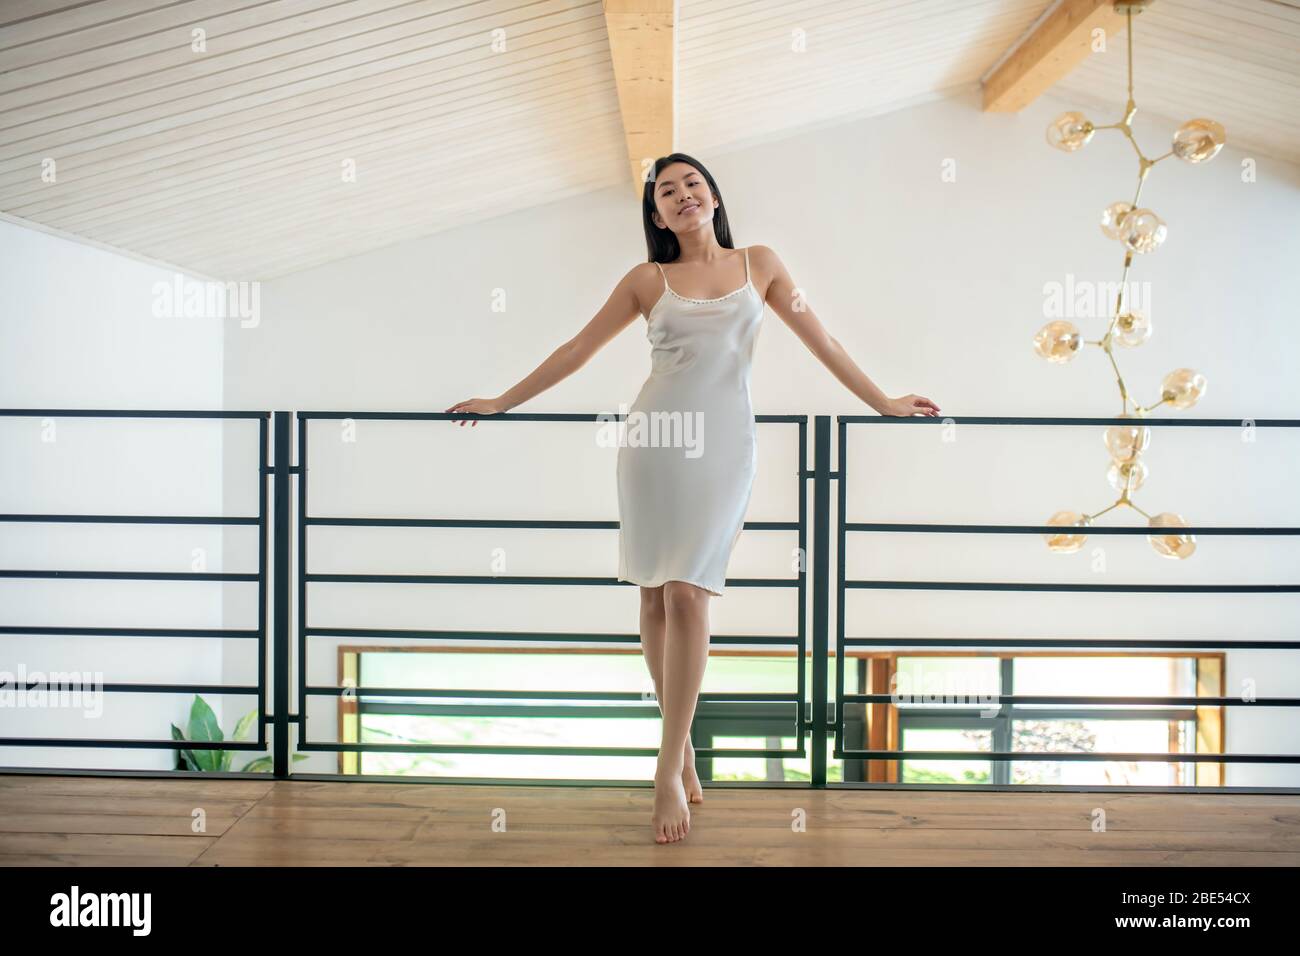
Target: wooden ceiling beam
[(1060, 40), (642, 47)]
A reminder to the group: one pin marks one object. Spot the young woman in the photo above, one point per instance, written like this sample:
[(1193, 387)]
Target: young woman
[(680, 513)]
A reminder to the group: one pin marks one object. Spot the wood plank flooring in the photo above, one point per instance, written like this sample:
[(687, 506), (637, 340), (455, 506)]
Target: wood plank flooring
[(114, 821)]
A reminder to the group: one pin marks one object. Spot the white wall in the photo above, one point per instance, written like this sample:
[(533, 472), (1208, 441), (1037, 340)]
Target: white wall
[(78, 331)]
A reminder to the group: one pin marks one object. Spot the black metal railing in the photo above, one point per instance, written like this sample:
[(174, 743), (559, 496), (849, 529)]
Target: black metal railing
[(789, 701), (819, 715), (258, 633), (843, 583)]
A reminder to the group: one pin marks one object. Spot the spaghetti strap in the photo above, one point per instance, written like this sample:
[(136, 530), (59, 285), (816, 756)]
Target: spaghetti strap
[(747, 265), (667, 287)]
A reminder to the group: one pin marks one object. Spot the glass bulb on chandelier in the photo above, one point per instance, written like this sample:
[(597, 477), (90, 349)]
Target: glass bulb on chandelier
[(1176, 546), (1063, 542), (1132, 329), (1183, 387), (1119, 472), (1143, 231), (1126, 442), (1112, 219), (1070, 131), (1058, 341), (1199, 140)]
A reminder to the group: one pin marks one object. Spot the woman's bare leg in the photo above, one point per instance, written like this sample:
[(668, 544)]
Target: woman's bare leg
[(686, 652), (654, 626)]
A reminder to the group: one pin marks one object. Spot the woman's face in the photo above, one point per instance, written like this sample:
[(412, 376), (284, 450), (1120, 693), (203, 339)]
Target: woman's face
[(682, 198)]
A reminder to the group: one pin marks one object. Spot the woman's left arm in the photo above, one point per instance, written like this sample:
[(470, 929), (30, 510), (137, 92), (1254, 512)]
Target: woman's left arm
[(787, 301)]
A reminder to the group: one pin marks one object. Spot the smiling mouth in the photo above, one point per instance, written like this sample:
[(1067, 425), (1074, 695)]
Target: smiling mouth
[(687, 209)]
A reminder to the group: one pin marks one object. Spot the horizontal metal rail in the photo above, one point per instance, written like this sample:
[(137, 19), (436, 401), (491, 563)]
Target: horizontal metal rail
[(567, 637), (74, 686), (1125, 642), (203, 632), (1015, 756), (1077, 701), (608, 695)]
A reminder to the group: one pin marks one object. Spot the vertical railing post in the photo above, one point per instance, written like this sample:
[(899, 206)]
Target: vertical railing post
[(280, 597), (821, 585)]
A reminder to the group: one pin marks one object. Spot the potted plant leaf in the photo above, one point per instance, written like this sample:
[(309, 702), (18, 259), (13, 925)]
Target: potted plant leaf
[(203, 727)]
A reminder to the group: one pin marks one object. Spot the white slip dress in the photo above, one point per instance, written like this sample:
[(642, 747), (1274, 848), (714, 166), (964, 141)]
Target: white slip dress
[(687, 460)]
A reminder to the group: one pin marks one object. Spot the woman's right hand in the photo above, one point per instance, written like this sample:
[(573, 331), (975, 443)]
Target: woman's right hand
[(911, 405), (481, 406)]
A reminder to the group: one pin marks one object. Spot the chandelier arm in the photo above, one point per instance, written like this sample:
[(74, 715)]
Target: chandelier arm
[(1129, 31), (1144, 166), (1123, 287), (1090, 517), (1119, 379)]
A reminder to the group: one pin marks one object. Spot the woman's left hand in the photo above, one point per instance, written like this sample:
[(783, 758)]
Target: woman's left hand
[(911, 405), (479, 406)]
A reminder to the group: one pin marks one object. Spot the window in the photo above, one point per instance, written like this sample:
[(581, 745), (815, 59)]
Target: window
[(552, 719), (943, 705)]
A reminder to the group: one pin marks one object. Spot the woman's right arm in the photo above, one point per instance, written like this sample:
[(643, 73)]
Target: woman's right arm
[(619, 311)]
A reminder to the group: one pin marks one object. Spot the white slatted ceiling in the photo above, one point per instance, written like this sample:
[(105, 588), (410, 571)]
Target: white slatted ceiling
[(1235, 61), (229, 162), (741, 81)]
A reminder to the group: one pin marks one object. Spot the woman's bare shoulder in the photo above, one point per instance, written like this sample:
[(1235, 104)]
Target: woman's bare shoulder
[(644, 276), (765, 266), (644, 280)]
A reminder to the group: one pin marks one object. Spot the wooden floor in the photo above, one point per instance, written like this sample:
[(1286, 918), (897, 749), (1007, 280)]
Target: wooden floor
[(107, 821)]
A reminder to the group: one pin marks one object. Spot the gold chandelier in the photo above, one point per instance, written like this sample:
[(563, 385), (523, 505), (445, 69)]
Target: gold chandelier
[(1140, 231)]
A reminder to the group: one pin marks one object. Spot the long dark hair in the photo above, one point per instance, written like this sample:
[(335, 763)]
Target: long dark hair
[(662, 244)]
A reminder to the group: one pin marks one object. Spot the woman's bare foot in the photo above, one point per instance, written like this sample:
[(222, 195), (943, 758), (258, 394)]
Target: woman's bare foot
[(671, 817), (690, 779)]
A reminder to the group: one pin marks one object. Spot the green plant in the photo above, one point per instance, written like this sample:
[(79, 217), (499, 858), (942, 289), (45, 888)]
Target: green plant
[(203, 726)]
